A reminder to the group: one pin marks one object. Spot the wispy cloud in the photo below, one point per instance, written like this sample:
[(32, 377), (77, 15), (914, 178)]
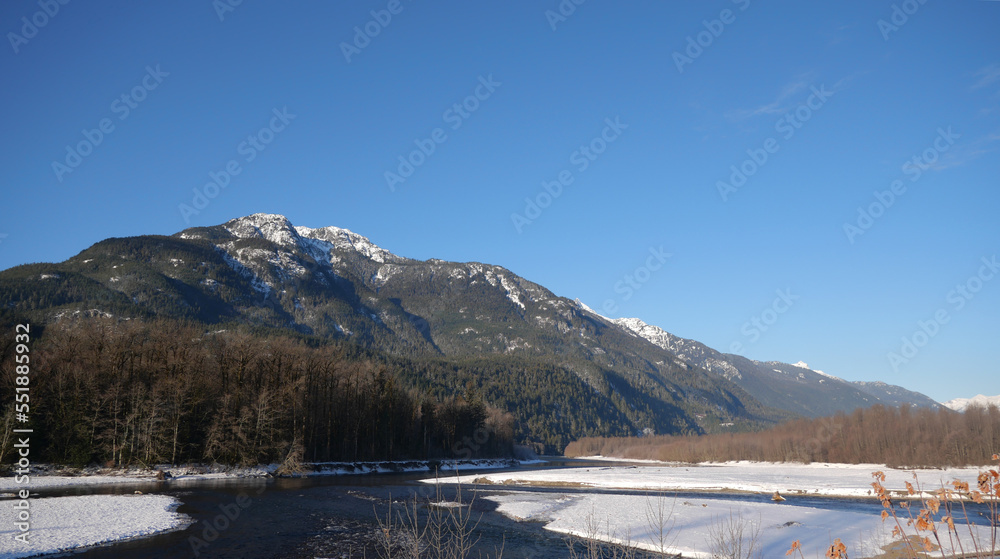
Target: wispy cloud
[(987, 76), (787, 98), (961, 155), (780, 105), (842, 34)]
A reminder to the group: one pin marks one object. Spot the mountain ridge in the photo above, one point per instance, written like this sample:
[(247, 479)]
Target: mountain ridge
[(481, 324), (455, 327), (793, 387)]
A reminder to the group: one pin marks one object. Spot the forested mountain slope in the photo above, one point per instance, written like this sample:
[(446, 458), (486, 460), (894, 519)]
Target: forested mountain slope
[(450, 328)]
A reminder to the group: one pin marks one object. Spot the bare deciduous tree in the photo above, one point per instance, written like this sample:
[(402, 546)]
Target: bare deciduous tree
[(735, 537)]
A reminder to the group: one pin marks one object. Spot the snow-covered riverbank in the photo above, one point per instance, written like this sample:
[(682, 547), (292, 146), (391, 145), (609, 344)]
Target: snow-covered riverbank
[(66, 523), (688, 530), (833, 480), (49, 477)]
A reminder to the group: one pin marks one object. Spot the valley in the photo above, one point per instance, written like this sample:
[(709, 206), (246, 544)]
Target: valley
[(283, 349)]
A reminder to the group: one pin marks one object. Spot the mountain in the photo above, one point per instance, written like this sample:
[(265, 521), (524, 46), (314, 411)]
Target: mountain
[(795, 388), (960, 404), (892, 395), (450, 327)]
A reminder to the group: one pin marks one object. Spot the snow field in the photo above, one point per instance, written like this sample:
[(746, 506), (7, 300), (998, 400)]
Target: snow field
[(837, 480), (627, 518), (64, 523), (688, 530)]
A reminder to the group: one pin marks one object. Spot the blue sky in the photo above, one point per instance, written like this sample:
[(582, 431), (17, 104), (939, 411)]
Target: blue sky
[(833, 105)]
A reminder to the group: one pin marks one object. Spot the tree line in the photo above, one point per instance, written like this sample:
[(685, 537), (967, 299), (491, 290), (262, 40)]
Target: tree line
[(131, 392), (896, 437)]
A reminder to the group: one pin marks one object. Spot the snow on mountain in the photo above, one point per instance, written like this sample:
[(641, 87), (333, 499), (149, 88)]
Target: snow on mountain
[(318, 242), (687, 350), (796, 388), (584, 307), (273, 227), (344, 255), (258, 284), (332, 246), (344, 239), (804, 365), (321, 244), (960, 404), (512, 292)]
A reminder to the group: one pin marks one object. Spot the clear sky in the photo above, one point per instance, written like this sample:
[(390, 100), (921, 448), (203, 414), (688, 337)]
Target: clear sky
[(116, 116)]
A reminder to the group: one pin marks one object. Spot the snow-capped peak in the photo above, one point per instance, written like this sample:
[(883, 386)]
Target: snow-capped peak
[(273, 227), (960, 404), (583, 306), (804, 365), (280, 231)]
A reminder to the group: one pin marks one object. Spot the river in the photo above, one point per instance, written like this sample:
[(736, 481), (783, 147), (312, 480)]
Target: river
[(335, 516)]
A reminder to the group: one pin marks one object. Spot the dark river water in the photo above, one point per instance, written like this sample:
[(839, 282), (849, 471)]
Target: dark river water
[(335, 516)]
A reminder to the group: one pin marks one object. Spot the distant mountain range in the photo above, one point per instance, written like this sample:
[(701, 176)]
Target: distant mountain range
[(795, 388), (564, 370), (960, 404)]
